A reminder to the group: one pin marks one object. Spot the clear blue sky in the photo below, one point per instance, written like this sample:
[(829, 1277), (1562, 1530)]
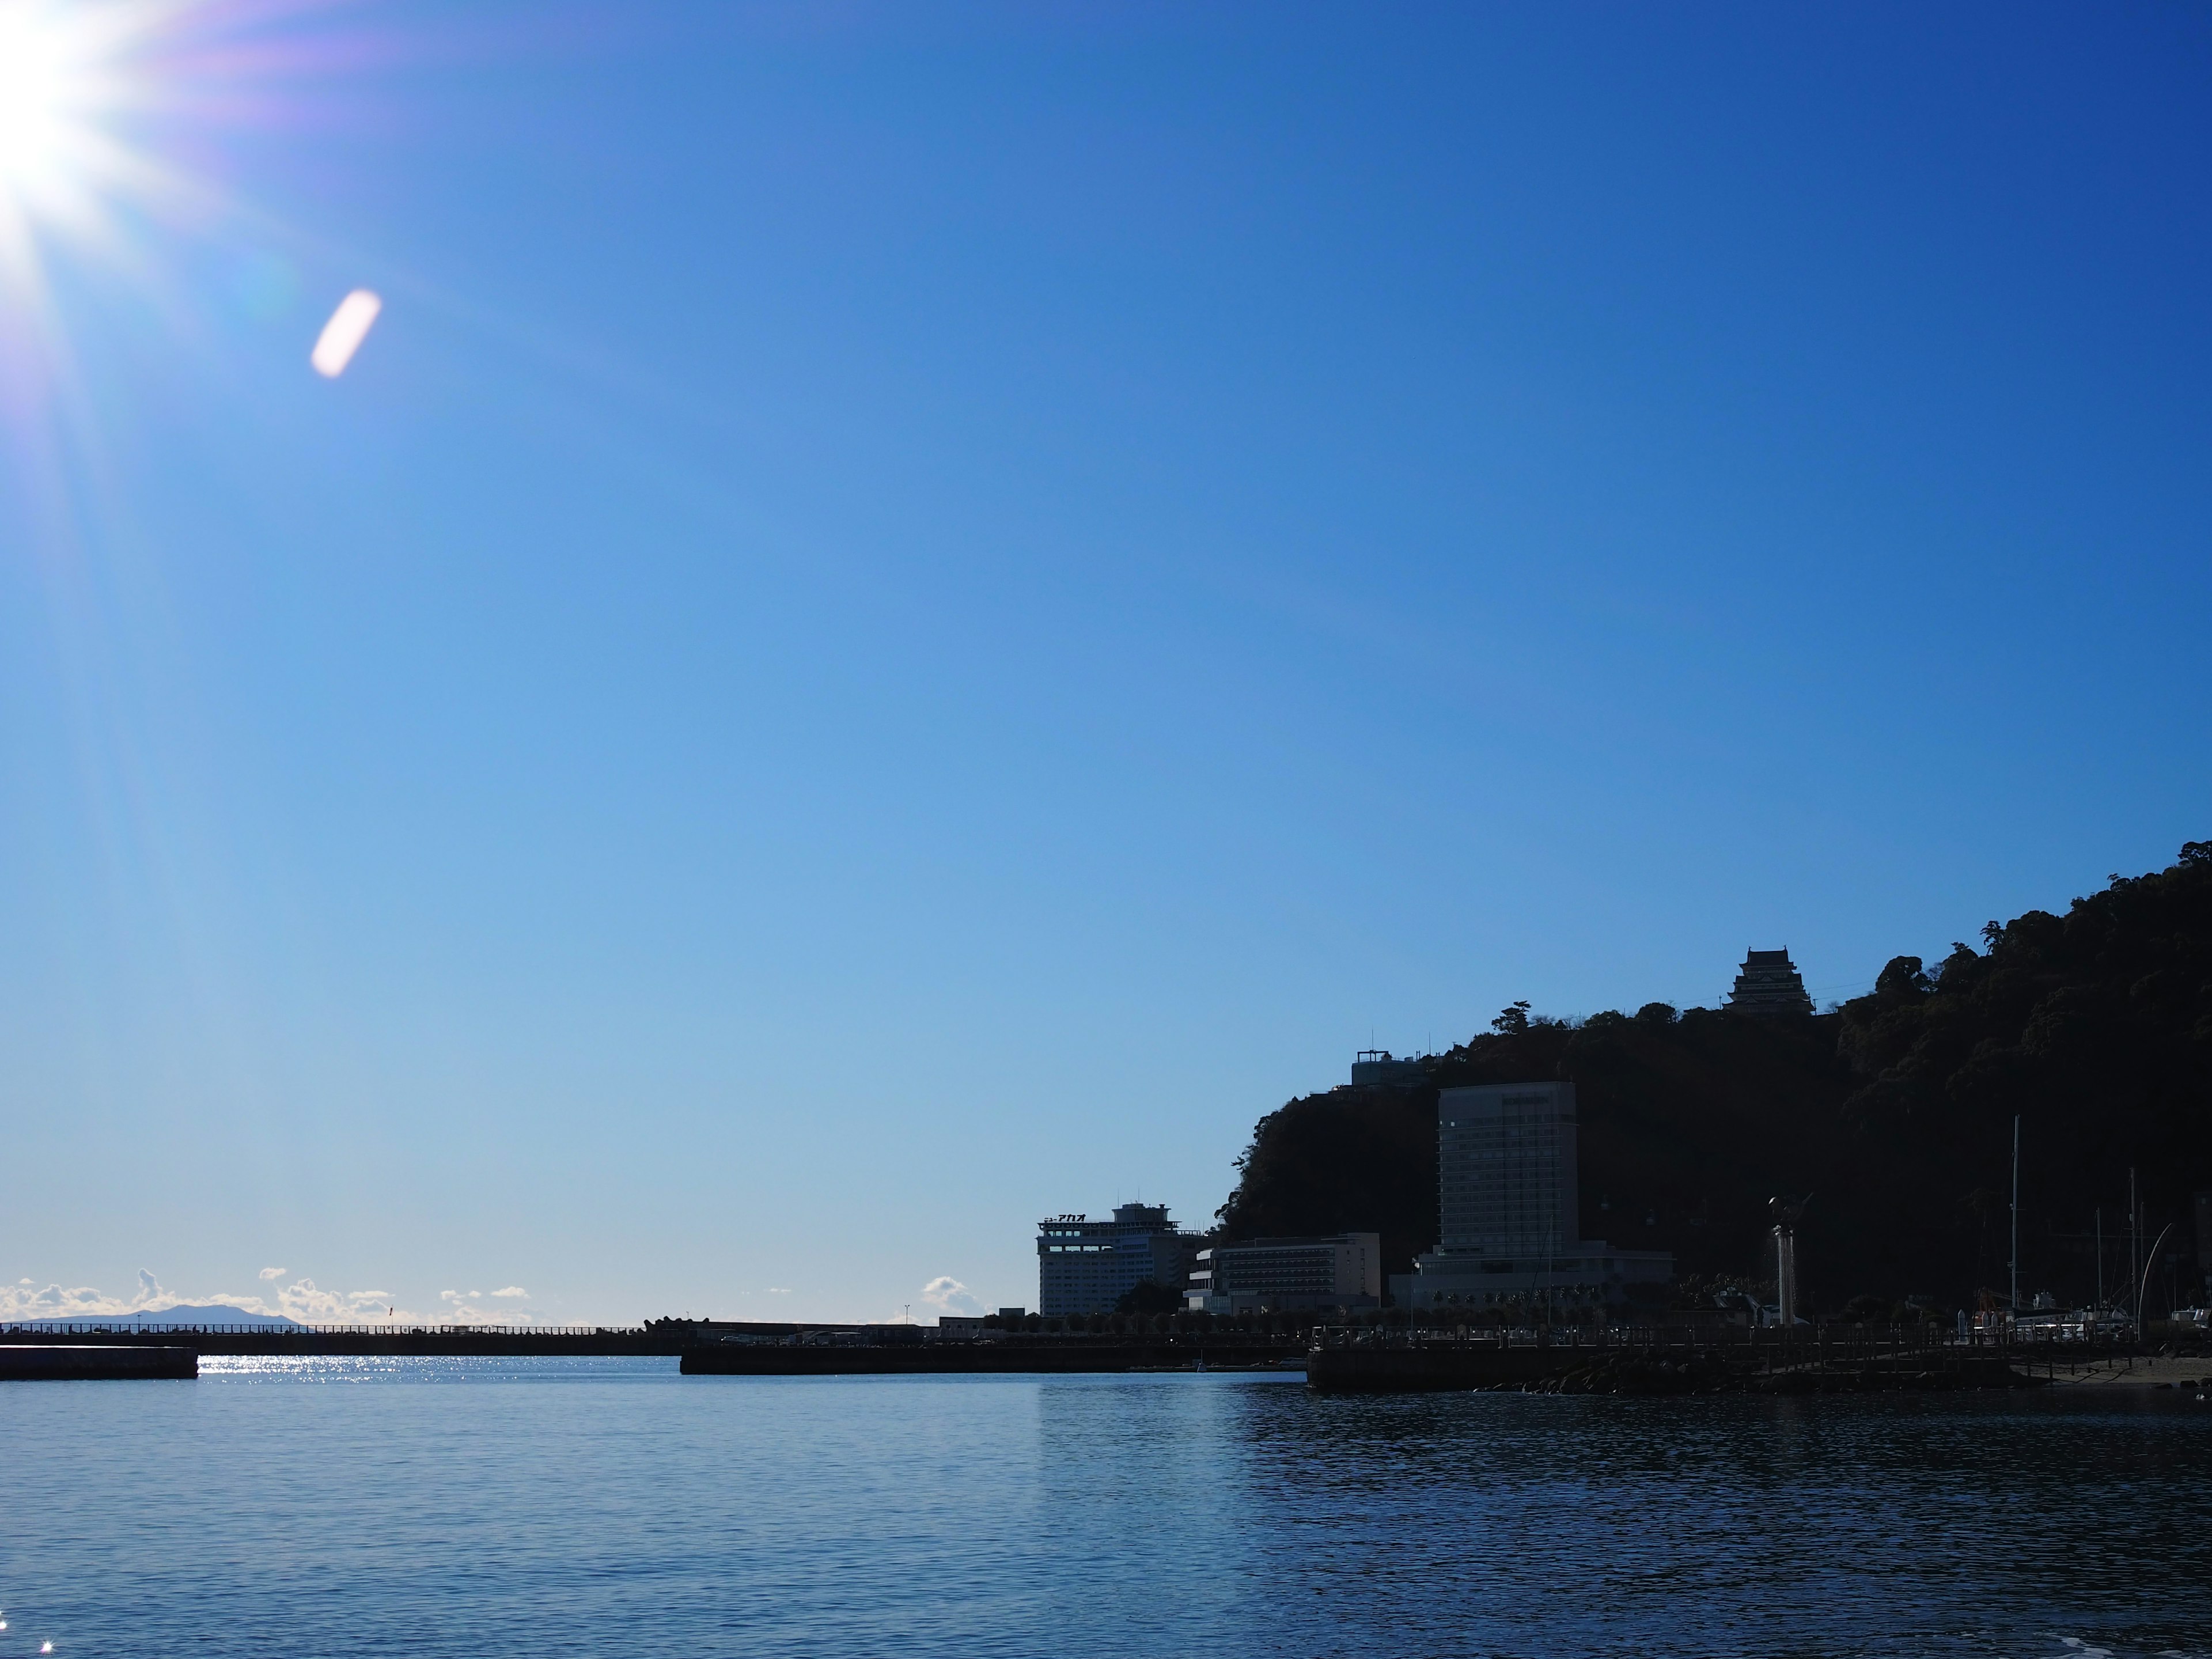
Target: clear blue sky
[(911, 617)]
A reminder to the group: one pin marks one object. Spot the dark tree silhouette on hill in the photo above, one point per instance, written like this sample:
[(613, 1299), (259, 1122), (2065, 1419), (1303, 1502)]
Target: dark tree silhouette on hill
[(2095, 1027)]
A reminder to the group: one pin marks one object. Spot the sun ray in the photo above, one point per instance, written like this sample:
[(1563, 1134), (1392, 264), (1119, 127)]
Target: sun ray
[(100, 103)]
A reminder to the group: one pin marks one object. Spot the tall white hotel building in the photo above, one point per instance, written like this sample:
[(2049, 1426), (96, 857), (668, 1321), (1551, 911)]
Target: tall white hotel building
[(1510, 1219)]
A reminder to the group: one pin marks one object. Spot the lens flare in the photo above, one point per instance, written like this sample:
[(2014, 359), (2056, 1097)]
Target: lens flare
[(342, 335)]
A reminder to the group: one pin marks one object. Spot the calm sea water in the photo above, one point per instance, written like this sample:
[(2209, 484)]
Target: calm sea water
[(610, 1507)]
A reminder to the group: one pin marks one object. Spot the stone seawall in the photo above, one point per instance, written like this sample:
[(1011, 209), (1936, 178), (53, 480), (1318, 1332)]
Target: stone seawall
[(1416, 1368), (57, 1362), (279, 1340), (971, 1359)]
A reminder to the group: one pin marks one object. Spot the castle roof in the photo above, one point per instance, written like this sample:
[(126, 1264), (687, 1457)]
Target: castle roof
[(1769, 983)]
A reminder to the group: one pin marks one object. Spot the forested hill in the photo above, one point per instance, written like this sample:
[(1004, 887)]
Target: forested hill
[(1895, 1114)]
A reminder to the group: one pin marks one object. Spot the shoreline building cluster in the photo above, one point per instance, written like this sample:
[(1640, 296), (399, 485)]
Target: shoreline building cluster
[(1508, 1206)]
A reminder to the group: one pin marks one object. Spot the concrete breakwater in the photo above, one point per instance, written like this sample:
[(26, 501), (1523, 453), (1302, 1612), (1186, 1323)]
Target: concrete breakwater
[(421, 1341), (972, 1359), (727, 1348), (60, 1362), (1787, 1364)]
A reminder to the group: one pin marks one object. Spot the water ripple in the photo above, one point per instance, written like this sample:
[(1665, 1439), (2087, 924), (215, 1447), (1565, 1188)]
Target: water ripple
[(359, 1507)]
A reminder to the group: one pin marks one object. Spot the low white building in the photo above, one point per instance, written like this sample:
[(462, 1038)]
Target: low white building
[(1281, 1275)]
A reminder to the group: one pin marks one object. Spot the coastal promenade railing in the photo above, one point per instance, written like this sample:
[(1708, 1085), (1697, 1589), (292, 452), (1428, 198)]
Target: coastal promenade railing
[(1615, 1336), (1925, 1333), (1823, 1344)]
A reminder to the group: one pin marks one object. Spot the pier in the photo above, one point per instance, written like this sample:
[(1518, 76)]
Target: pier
[(1656, 1360), (720, 1348)]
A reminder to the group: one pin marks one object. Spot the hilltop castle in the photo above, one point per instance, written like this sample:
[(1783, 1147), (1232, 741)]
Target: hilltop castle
[(1768, 983)]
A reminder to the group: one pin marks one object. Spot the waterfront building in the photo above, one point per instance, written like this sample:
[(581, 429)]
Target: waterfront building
[(1275, 1275), (1086, 1267), (1379, 1068), (1509, 1211), (1769, 983)]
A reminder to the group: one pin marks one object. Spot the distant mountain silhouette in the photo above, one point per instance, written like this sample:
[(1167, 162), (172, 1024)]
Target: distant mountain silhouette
[(1895, 1114), (212, 1314)]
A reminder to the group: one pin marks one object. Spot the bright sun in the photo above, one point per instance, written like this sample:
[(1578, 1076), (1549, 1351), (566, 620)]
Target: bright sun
[(45, 90), (67, 68), (102, 103)]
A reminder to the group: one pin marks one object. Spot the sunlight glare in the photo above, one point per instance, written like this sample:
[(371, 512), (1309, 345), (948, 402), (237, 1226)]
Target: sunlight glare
[(45, 78)]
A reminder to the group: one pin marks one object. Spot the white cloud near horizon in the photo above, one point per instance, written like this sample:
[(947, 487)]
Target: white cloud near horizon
[(948, 1295), (463, 1305), (58, 1301), (303, 1300)]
